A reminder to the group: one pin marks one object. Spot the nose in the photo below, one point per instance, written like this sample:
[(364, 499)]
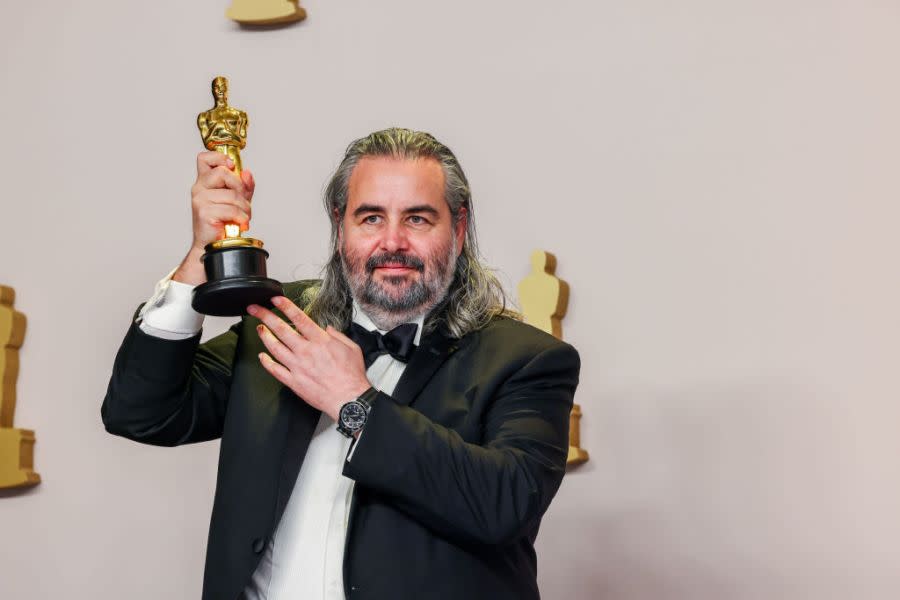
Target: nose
[(395, 239)]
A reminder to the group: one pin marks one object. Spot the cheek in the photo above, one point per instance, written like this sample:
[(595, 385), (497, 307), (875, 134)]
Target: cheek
[(359, 246)]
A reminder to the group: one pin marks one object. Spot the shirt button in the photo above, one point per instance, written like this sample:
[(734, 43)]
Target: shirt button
[(258, 545)]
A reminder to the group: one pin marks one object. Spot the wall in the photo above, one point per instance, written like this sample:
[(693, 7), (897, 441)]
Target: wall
[(718, 180)]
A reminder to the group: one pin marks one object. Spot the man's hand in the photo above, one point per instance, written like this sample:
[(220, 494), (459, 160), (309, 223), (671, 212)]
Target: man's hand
[(218, 196), (322, 366)]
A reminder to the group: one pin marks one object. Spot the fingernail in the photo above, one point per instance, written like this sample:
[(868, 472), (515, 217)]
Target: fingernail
[(251, 309), (260, 329)]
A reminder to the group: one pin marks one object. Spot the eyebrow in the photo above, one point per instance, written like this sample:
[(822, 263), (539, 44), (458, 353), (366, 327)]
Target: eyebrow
[(422, 208), (367, 208), (373, 208)]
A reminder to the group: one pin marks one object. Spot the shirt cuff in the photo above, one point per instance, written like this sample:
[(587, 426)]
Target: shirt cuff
[(355, 444), (168, 313)]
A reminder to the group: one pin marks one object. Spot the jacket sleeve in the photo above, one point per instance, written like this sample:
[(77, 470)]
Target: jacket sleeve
[(169, 392), (488, 493)]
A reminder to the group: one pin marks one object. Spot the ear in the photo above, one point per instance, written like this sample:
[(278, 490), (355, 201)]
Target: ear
[(338, 224), (461, 224)]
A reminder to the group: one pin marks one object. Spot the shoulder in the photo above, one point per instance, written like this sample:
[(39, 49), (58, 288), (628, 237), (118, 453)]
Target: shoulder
[(519, 341), (301, 292)]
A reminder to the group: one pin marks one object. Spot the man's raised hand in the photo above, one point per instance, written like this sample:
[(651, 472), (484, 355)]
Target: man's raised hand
[(218, 196)]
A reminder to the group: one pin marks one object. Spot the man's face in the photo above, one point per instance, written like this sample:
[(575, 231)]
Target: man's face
[(398, 241)]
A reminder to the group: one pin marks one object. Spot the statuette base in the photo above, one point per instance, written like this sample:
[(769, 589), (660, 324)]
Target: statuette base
[(237, 242), (17, 458), (265, 12), (577, 456), (236, 278)]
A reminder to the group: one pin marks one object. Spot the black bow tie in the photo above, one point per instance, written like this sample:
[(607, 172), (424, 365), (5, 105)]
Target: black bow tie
[(398, 342)]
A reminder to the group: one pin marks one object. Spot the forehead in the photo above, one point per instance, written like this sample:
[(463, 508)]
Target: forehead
[(396, 182)]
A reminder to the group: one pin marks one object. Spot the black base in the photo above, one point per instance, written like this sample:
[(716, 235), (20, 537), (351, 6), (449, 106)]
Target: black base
[(231, 297), (235, 279)]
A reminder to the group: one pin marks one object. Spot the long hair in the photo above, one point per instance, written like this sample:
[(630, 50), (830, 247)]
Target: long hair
[(475, 295)]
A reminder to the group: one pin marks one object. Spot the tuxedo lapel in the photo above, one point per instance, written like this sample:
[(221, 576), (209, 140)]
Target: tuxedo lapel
[(302, 421), (301, 418), (428, 357)]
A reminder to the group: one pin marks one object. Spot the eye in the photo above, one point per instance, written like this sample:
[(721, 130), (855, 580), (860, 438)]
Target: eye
[(372, 219), (417, 220)]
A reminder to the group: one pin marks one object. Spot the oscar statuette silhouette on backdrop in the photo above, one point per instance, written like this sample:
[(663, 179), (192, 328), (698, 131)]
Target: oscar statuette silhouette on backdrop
[(265, 12), (544, 298), (16, 445)]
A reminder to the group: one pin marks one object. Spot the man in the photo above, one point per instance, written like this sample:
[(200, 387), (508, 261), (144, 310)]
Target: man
[(452, 426)]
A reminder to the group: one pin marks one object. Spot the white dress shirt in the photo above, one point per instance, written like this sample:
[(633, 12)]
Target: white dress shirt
[(304, 559)]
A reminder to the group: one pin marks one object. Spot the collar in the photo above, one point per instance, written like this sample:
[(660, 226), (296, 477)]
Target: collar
[(362, 319)]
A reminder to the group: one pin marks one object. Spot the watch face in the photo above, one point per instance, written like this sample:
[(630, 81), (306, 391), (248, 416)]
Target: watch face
[(353, 416)]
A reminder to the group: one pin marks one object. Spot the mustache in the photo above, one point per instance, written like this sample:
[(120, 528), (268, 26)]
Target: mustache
[(405, 260)]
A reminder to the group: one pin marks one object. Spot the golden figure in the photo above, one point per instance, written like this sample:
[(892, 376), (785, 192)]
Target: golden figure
[(223, 128), (16, 445), (265, 12), (544, 298)]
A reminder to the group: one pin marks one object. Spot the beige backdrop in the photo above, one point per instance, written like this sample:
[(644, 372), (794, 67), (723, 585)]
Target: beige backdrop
[(719, 182)]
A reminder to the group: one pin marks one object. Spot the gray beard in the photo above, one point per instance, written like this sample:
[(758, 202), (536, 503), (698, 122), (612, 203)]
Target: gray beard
[(388, 310)]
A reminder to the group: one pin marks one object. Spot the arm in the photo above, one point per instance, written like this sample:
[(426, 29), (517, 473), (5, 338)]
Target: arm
[(492, 492), (174, 391), (245, 121), (169, 392), (203, 126), (488, 493)]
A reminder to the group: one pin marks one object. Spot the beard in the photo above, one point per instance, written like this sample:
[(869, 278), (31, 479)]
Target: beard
[(398, 299)]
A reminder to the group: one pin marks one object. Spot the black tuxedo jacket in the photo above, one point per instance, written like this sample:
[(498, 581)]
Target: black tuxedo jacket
[(453, 474)]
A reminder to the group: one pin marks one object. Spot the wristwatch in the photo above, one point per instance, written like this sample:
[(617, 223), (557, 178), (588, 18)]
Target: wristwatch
[(354, 414)]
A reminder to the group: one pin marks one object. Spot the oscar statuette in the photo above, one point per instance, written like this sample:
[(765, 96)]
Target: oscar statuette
[(235, 265)]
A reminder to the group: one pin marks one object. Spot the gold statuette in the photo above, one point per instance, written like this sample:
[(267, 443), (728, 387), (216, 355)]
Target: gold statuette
[(235, 266), (223, 128)]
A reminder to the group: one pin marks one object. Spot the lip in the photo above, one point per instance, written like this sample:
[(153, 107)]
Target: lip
[(394, 269)]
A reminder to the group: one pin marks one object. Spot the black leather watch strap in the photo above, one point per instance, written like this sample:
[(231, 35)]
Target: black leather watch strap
[(368, 397)]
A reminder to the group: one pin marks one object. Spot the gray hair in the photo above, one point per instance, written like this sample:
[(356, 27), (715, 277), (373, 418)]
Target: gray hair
[(475, 295)]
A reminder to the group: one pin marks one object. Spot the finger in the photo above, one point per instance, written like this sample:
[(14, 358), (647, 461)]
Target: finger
[(219, 214), (277, 326), (207, 161), (222, 177), (341, 337), (281, 352), (227, 197), (278, 371), (306, 326)]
